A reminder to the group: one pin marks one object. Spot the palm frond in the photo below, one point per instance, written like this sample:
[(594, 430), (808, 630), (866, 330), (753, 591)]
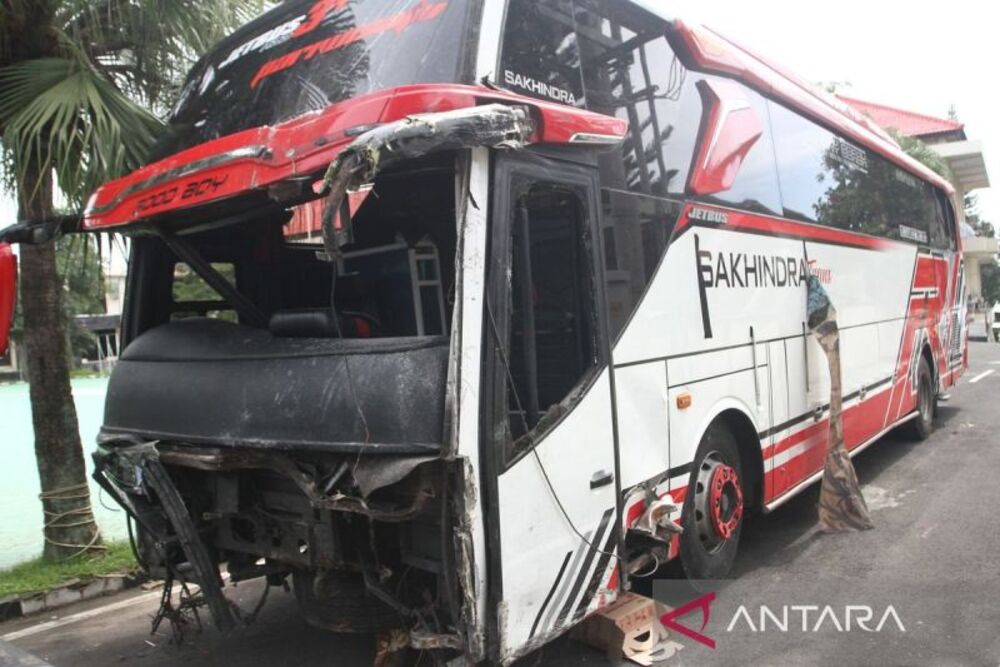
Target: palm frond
[(88, 110), (147, 46), (62, 115)]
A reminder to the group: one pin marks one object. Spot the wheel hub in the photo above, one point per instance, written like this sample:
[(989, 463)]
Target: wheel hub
[(718, 502), (725, 500)]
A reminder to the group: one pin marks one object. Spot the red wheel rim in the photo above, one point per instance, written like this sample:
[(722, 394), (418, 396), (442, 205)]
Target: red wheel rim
[(725, 501)]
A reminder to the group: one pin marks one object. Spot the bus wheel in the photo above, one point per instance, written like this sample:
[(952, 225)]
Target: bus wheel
[(713, 508), (920, 427)]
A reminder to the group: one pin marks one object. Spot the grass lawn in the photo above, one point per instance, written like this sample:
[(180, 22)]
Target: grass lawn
[(38, 575)]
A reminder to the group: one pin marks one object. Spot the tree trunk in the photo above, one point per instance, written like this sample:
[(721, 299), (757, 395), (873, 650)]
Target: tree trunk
[(69, 522)]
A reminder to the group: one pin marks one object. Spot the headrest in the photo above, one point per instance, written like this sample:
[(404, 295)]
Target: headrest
[(311, 323)]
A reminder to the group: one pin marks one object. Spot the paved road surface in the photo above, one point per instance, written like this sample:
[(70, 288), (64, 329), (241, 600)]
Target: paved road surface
[(933, 557)]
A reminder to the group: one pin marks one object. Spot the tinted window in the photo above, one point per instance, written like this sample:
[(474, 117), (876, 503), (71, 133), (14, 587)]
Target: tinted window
[(828, 180), (945, 222), (636, 232), (756, 185), (631, 71), (612, 58), (307, 54), (802, 151), (540, 55)]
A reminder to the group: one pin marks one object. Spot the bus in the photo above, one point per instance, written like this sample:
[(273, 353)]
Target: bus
[(459, 315)]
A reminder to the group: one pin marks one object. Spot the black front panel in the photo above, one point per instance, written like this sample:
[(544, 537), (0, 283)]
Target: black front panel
[(213, 382)]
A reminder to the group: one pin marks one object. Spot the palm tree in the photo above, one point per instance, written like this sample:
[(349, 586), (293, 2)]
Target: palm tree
[(82, 83)]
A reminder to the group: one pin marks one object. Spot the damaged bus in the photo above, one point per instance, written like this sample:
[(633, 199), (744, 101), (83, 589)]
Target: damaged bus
[(456, 315)]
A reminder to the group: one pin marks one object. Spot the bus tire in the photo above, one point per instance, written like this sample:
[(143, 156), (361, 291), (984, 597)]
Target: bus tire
[(714, 507), (919, 428)]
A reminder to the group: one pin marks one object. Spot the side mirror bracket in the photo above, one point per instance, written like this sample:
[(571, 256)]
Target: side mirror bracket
[(37, 232), (30, 232)]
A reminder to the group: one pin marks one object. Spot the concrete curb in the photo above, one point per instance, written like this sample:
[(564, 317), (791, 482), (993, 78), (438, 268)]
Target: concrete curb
[(70, 592)]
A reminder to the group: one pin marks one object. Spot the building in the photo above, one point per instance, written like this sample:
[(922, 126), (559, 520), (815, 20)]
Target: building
[(964, 158)]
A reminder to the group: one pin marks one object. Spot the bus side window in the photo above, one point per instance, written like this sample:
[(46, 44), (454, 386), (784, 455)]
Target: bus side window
[(630, 71), (806, 170), (553, 336), (755, 187), (830, 181), (943, 227)]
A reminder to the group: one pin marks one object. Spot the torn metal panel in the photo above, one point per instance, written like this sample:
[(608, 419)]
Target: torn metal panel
[(656, 519), (492, 126), (465, 560), (373, 473), (463, 200), (397, 469), (203, 570), (841, 506)]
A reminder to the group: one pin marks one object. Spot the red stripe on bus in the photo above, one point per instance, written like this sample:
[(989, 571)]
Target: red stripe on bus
[(771, 226)]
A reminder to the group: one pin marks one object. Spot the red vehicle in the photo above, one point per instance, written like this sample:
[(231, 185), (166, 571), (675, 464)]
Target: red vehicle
[(460, 314)]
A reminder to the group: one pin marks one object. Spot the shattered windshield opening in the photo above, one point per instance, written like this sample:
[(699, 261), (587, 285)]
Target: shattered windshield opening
[(370, 372), (391, 281), (308, 54)]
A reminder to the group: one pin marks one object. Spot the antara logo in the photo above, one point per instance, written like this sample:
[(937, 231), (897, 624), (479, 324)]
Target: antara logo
[(804, 618), (861, 617)]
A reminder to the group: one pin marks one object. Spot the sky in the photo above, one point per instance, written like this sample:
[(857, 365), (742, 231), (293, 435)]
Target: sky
[(917, 56), (913, 55)]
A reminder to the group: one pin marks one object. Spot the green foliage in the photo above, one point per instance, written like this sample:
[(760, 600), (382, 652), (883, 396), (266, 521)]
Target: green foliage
[(923, 154), (874, 197), (974, 218), (63, 116), (82, 81), (82, 86), (189, 287), (39, 575), (79, 262)]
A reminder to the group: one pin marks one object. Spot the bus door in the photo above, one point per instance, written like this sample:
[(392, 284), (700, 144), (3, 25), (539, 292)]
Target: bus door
[(547, 430)]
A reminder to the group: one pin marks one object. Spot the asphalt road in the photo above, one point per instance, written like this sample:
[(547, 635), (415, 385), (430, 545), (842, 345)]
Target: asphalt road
[(933, 558)]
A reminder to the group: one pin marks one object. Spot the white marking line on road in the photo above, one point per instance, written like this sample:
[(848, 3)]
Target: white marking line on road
[(982, 375), (75, 618)]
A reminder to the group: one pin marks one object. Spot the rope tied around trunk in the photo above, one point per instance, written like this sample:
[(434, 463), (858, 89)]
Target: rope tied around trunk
[(70, 518)]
